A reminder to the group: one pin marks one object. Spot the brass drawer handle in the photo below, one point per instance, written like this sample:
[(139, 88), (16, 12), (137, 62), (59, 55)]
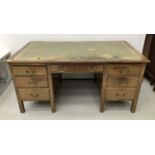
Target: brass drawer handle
[(34, 95), (32, 82), (118, 94), (123, 94), (27, 71), (124, 70), (30, 71), (93, 68), (123, 82)]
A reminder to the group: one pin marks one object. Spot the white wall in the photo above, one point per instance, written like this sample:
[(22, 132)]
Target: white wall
[(14, 42)]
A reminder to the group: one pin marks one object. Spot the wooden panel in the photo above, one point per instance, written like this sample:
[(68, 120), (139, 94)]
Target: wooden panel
[(120, 94), (29, 94), (26, 70), (122, 81), (124, 69), (35, 81), (76, 68)]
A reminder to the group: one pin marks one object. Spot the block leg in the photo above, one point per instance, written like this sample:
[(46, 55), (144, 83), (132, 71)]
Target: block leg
[(53, 107), (52, 97), (133, 106), (21, 106), (103, 88)]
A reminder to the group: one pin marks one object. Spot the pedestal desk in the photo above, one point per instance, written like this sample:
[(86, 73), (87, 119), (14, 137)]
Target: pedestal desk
[(120, 66)]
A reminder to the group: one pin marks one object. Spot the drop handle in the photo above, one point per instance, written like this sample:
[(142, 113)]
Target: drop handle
[(34, 95), (124, 70), (123, 94), (27, 71), (30, 71), (93, 68), (32, 82), (117, 94), (123, 82)]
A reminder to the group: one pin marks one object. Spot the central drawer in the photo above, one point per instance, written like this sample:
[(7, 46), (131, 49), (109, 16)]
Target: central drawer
[(120, 93), (76, 68), (30, 94), (35, 81)]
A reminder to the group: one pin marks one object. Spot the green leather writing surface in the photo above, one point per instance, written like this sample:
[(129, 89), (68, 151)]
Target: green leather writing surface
[(78, 51)]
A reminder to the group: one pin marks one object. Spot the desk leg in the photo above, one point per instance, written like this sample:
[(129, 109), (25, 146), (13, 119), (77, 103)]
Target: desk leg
[(103, 89), (20, 102), (134, 102), (21, 106), (51, 88)]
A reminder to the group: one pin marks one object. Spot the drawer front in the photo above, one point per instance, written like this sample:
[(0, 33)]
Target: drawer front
[(26, 70), (120, 94), (122, 81), (30, 94), (124, 69), (38, 81), (77, 68)]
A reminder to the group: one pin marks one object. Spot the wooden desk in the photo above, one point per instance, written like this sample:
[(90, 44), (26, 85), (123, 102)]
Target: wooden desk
[(120, 65)]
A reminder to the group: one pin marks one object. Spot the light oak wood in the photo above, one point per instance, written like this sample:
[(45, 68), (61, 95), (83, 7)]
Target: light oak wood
[(122, 81), (51, 86), (119, 66), (134, 101), (31, 81), (103, 91), (29, 70), (124, 69), (117, 94), (20, 102), (76, 68), (35, 94)]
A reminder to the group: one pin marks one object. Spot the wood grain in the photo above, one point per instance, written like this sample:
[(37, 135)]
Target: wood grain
[(34, 94), (29, 70), (31, 81), (118, 68)]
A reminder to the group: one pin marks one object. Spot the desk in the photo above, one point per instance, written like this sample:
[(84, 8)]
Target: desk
[(120, 65)]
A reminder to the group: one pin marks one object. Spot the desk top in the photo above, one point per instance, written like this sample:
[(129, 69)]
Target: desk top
[(79, 52)]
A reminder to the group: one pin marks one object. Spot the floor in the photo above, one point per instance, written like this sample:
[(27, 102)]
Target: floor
[(78, 100)]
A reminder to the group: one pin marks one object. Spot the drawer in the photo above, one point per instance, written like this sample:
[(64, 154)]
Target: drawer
[(28, 70), (120, 94), (124, 69), (122, 81), (35, 81), (77, 68), (30, 94)]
